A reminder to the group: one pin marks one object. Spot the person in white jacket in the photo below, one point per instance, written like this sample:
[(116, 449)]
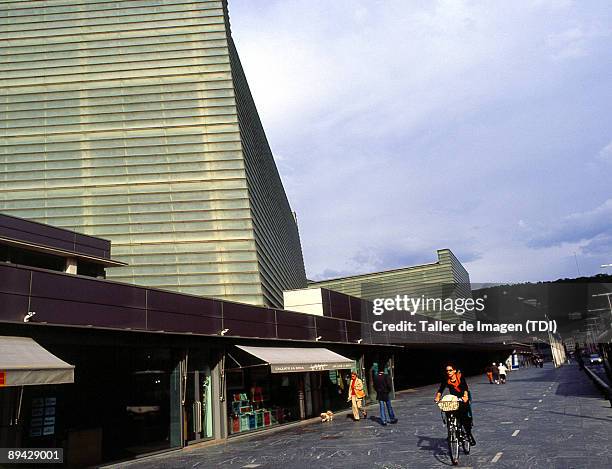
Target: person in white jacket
[(502, 373)]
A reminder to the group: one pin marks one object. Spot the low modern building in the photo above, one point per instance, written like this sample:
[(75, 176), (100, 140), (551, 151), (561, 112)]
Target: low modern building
[(130, 370), (444, 278)]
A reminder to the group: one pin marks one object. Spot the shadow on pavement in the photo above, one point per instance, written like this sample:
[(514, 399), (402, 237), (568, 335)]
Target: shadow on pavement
[(565, 414), (495, 401), (376, 419), (540, 379), (438, 446), (570, 389)]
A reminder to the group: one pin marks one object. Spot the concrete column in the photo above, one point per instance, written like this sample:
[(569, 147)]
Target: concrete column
[(71, 266)]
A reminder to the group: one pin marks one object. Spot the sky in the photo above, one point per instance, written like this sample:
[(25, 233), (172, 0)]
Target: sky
[(403, 127)]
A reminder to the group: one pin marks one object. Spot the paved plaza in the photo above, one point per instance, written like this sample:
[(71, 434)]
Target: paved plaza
[(542, 418)]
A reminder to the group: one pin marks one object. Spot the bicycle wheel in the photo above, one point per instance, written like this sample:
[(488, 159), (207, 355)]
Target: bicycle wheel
[(453, 443), (465, 442)]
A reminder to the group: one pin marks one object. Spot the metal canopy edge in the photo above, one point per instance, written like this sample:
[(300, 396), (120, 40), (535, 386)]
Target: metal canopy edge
[(297, 360), (23, 362)]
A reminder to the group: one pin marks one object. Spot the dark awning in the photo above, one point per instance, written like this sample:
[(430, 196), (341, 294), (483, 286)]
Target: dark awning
[(23, 362), (296, 360)]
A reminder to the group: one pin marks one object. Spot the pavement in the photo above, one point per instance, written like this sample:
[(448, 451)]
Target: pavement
[(542, 418), (600, 371)]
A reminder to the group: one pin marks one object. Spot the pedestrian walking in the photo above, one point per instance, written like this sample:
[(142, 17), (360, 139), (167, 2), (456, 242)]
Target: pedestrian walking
[(495, 372), (489, 372), (502, 373), (577, 354), (383, 386), (355, 394)]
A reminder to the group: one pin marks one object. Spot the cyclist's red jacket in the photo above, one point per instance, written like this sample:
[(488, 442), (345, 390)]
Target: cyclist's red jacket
[(456, 388)]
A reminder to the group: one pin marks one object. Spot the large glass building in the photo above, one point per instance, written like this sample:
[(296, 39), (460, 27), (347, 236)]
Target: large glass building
[(133, 121)]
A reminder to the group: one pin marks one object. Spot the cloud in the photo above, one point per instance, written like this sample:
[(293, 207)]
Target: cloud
[(568, 44), (599, 246), (582, 226), (606, 153), (405, 127), (575, 42)]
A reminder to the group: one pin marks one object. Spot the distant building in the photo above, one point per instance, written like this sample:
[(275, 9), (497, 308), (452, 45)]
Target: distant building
[(133, 121), (445, 278)]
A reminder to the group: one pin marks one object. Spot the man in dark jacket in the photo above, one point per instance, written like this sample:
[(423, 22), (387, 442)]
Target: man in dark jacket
[(383, 386)]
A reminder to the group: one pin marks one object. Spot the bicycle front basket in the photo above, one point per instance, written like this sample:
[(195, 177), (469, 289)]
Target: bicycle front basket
[(448, 406)]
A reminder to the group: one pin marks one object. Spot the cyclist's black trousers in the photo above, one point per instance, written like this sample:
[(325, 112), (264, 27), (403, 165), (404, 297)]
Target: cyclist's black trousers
[(464, 414)]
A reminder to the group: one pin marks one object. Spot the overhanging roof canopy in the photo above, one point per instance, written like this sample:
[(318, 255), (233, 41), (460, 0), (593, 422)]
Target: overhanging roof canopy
[(296, 360), (23, 362), (60, 252)]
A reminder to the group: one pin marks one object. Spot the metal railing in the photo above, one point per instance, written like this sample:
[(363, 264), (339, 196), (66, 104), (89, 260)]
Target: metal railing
[(600, 383)]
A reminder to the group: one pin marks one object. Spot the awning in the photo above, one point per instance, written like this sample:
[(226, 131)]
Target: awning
[(296, 360), (24, 363)]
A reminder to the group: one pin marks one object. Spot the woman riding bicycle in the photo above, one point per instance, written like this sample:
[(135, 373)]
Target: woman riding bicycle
[(457, 386)]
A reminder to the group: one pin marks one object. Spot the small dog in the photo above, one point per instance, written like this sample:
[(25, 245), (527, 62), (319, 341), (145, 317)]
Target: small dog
[(327, 416)]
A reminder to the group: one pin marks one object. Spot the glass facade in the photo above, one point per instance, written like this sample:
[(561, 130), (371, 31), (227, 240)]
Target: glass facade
[(132, 121)]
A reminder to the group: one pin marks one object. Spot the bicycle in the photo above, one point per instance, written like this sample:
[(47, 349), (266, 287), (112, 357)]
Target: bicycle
[(449, 405)]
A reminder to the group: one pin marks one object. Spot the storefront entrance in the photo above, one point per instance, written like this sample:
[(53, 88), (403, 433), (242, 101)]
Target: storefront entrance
[(268, 386), (197, 398)]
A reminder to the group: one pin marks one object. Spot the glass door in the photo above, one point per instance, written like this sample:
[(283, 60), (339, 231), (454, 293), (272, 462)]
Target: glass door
[(198, 404)]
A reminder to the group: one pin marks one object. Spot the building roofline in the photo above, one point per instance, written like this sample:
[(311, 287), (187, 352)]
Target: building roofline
[(400, 269), (60, 252), (53, 227), (209, 316)]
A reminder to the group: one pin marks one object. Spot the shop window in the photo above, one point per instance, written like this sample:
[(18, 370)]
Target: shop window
[(258, 399)]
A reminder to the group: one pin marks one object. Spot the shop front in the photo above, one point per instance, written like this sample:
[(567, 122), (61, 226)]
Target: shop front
[(138, 397), (29, 377), (126, 398), (270, 386)]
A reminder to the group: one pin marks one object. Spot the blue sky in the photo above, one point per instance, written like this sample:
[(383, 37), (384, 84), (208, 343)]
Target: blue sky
[(401, 127)]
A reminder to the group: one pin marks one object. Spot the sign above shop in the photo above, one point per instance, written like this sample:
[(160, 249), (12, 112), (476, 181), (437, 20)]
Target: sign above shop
[(299, 360), (297, 368)]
